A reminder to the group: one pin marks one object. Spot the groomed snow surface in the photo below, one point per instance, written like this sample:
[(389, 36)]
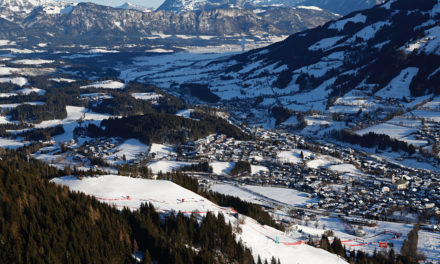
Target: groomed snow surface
[(167, 196)]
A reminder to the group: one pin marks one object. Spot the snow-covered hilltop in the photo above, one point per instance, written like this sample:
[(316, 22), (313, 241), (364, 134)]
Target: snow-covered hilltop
[(337, 6), (130, 6), (180, 5)]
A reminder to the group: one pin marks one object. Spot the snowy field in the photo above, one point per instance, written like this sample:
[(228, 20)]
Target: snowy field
[(162, 151), (294, 156), (237, 191), (165, 166), (262, 194), (74, 113), (130, 149), (109, 84), (20, 81), (33, 61), (399, 132), (316, 161), (283, 195), (10, 143), (221, 168)]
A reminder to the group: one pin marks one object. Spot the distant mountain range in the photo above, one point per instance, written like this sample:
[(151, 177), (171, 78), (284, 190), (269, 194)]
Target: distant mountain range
[(48, 21), (390, 51), (336, 6)]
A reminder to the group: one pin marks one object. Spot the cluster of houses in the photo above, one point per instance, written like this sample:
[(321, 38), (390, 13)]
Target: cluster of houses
[(379, 191), (104, 149)]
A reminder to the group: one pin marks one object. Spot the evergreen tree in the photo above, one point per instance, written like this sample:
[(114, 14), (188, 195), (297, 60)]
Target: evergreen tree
[(324, 243), (147, 258), (337, 247)]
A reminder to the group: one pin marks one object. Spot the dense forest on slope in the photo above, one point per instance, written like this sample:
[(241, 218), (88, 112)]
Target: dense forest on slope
[(163, 128), (43, 134), (39, 113), (45, 223)]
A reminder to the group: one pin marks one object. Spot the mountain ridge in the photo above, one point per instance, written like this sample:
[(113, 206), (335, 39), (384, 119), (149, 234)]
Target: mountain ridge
[(80, 23)]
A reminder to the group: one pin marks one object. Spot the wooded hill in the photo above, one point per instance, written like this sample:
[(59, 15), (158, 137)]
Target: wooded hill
[(164, 128)]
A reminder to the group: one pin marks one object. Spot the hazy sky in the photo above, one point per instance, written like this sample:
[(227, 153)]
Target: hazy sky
[(145, 3)]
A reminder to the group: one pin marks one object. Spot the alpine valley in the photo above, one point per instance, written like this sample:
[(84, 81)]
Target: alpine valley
[(221, 131)]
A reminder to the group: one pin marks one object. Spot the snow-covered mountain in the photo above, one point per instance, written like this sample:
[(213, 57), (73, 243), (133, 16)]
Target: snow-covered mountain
[(180, 5), (130, 6), (336, 6), (389, 51)]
